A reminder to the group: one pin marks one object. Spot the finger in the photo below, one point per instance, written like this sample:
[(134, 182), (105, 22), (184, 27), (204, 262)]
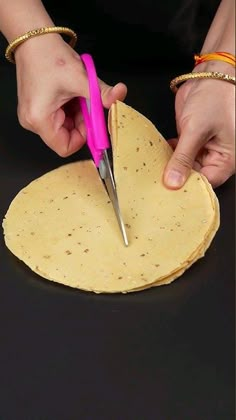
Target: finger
[(182, 160), (110, 94), (217, 166), (66, 134), (57, 135), (69, 123), (197, 166), (216, 175)]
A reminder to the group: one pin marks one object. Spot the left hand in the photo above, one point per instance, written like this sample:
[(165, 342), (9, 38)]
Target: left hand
[(205, 120)]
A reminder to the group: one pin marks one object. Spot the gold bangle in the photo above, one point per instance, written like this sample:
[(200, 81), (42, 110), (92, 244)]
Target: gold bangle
[(201, 75), (9, 54)]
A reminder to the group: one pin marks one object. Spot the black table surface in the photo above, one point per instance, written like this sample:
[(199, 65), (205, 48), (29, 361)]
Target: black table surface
[(166, 353)]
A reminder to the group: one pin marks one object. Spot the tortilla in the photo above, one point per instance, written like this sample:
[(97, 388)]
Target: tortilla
[(62, 225)]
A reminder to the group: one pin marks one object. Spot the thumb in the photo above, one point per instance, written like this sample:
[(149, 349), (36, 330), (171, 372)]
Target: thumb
[(181, 162), (110, 94)]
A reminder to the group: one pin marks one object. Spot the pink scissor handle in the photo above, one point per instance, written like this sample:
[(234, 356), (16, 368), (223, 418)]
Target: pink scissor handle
[(94, 117)]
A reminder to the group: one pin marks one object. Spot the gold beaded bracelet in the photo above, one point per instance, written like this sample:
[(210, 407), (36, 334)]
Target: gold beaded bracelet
[(201, 75), (9, 54)]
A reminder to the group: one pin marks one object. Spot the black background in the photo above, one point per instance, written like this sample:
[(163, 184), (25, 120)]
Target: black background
[(166, 353)]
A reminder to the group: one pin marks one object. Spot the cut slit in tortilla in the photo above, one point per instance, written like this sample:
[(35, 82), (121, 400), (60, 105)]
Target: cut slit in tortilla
[(62, 225)]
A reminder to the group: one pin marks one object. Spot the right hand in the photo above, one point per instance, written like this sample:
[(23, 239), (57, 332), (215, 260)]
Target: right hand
[(50, 76)]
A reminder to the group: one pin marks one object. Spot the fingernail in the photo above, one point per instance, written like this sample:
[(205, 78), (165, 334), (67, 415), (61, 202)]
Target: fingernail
[(174, 179)]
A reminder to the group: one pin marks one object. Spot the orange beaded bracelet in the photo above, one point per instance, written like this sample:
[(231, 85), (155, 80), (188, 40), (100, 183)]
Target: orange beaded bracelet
[(220, 56)]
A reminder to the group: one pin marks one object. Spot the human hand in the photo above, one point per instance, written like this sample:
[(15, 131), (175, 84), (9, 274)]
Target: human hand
[(205, 120), (50, 76)]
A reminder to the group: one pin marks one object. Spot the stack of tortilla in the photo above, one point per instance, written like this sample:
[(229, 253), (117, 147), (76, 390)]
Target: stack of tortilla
[(63, 226)]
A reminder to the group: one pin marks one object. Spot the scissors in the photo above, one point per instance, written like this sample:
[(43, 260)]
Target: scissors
[(97, 137)]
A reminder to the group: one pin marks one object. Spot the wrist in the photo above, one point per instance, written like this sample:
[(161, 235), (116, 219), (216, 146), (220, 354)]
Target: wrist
[(38, 46), (215, 66)]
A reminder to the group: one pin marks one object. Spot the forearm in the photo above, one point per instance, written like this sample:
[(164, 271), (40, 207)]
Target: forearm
[(20, 16), (221, 35)]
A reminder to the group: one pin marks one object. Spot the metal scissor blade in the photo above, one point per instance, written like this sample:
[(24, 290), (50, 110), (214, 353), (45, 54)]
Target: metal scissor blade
[(107, 176)]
